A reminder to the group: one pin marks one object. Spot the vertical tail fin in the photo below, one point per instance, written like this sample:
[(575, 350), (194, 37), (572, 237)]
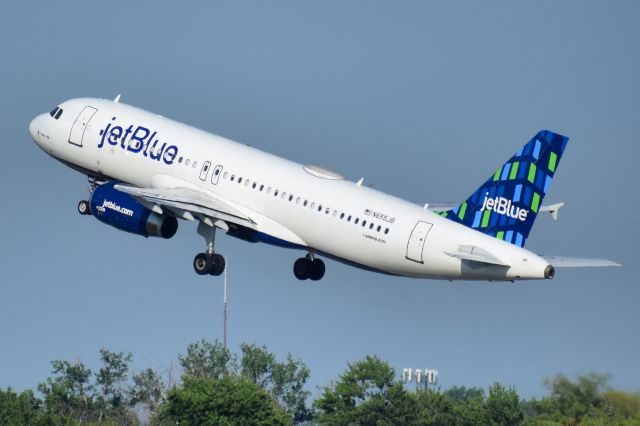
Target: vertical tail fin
[(507, 204)]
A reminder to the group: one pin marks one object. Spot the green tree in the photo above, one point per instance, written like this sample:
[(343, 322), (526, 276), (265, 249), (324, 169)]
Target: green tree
[(257, 364), (503, 406), (367, 393), (575, 400), (208, 360), (148, 389), (623, 405), (288, 380), (69, 393), (464, 394), (73, 395), (18, 409), (436, 408), (224, 401), (284, 380), (111, 380)]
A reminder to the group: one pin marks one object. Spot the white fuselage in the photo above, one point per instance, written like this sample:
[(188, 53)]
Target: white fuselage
[(312, 210)]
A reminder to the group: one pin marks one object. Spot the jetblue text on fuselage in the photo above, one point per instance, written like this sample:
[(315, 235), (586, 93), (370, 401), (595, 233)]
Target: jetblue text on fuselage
[(503, 205), (138, 139)]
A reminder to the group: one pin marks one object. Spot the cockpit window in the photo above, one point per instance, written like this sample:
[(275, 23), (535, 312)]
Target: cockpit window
[(58, 114), (53, 111)]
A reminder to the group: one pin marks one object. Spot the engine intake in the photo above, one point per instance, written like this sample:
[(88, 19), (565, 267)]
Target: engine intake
[(124, 212)]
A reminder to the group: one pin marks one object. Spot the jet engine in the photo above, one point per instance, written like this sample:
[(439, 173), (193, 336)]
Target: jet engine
[(124, 212)]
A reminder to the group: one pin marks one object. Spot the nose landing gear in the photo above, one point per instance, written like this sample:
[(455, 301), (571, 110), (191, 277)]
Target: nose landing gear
[(309, 268), (83, 208)]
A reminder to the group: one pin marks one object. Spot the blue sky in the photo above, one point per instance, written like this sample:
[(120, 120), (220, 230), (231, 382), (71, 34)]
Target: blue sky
[(423, 99)]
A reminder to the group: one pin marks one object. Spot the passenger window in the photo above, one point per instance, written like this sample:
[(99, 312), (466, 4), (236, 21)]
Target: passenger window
[(364, 223), (217, 172), (275, 193), (206, 167), (224, 176), (371, 225), (357, 220), (379, 228), (233, 177), (313, 205), (335, 213), (327, 210), (180, 160), (349, 218), (254, 185), (187, 161), (305, 203), (341, 215), (269, 190), (239, 180), (247, 182), (195, 163), (386, 231), (261, 187), (290, 197), (320, 208)]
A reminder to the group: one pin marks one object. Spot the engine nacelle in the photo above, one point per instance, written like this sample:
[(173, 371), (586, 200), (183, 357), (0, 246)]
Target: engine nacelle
[(122, 211)]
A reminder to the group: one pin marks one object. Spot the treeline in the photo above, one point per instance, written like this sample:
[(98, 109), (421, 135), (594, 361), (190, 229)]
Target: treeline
[(217, 387)]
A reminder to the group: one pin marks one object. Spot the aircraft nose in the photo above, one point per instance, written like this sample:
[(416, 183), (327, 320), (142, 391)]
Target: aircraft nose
[(34, 127)]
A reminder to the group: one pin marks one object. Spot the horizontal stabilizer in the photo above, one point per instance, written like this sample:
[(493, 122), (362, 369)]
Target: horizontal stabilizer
[(578, 262), (553, 209), (476, 254)]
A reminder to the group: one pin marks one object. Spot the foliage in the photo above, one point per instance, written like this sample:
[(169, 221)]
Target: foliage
[(503, 406), (207, 360), (284, 380), (75, 395), (367, 393), (18, 409), (255, 388), (224, 401), (148, 389)]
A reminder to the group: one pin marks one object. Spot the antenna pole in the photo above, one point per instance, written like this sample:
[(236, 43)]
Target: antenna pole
[(225, 305)]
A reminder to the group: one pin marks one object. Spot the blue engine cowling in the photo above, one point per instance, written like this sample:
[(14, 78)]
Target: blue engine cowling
[(122, 211)]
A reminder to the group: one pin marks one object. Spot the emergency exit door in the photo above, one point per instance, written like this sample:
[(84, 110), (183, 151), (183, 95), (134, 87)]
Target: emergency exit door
[(418, 237)]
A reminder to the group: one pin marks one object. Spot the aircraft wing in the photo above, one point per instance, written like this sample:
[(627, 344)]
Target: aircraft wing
[(186, 203), (577, 262)]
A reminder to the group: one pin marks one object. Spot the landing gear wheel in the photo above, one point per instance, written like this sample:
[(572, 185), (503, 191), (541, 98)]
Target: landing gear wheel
[(302, 268), (306, 268), (317, 270), (218, 265), (83, 208), (203, 263)]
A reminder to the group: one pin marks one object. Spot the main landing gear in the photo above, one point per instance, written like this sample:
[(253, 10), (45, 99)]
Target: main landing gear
[(208, 263), (309, 268)]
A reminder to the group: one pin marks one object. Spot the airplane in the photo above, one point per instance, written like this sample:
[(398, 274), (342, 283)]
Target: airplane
[(146, 171)]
